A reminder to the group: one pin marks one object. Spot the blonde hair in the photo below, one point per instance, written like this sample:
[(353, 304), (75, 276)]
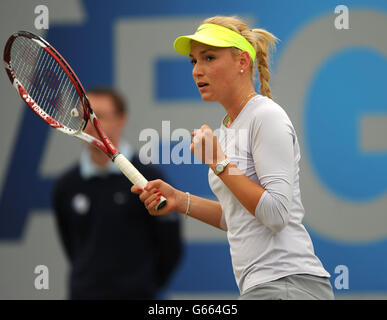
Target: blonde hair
[(262, 41)]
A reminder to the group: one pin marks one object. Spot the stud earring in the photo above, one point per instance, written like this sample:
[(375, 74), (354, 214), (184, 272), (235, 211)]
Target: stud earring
[(241, 70)]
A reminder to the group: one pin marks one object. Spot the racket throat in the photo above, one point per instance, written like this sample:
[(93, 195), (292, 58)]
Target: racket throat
[(106, 141)]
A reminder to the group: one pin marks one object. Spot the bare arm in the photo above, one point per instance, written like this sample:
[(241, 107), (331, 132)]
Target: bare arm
[(244, 189), (207, 211)]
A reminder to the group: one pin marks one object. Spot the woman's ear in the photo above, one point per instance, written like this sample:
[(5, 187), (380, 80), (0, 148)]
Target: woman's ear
[(244, 61)]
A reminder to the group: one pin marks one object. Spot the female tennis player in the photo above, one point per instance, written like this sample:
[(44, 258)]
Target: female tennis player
[(253, 167)]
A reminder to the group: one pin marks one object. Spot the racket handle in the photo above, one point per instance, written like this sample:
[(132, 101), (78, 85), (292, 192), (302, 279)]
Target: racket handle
[(130, 171)]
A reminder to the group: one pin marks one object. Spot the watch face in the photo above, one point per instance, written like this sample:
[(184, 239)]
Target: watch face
[(219, 168)]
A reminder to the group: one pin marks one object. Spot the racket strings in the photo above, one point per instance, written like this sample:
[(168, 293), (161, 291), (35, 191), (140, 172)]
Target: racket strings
[(46, 82)]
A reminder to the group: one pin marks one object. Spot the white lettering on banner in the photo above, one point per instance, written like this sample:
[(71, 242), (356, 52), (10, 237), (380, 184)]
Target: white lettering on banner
[(328, 214)]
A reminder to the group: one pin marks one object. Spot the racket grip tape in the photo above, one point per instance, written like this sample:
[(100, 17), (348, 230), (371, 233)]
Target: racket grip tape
[(130, 171)]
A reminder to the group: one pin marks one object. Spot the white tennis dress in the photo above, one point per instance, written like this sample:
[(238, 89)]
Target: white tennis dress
[(274, 243)]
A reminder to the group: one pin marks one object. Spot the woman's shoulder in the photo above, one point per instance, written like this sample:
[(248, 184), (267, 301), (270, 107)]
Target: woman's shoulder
[(266, 109)]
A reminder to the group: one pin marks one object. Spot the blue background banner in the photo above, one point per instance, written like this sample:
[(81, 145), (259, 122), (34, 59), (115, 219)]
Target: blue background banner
[(339, 111)]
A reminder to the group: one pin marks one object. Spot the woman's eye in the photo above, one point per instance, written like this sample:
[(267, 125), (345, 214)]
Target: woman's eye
[(193, 62), (209, 58)]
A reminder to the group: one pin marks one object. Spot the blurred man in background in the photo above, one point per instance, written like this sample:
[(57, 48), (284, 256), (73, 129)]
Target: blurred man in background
[(115, 248)]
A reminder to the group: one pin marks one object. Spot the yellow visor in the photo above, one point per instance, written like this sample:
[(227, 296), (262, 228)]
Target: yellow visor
[(216, 36)]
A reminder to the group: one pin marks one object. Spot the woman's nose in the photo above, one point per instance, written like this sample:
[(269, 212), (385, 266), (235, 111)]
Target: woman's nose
[(197, 70)]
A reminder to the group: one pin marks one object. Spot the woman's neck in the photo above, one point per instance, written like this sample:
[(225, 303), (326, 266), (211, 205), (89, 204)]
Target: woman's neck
[(235, 105)]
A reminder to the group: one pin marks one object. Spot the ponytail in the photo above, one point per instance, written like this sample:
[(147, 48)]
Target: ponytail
[(262, 41), (265, 42)]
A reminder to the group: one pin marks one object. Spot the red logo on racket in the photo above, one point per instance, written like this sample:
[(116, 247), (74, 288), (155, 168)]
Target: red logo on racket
[(39, 111)]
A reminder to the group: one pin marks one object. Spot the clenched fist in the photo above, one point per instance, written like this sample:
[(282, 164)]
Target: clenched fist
[(205, 146)]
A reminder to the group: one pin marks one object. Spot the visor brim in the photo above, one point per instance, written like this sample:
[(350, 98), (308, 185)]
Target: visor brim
[(182, 44)]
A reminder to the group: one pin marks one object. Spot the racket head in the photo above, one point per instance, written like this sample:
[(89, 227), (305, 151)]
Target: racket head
[(46, 82), (48, 85)]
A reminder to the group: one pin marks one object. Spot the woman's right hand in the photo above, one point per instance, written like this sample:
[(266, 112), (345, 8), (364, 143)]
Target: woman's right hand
[(152, 192)]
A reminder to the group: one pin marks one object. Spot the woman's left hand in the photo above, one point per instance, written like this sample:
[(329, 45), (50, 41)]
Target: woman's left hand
[(205, 146)]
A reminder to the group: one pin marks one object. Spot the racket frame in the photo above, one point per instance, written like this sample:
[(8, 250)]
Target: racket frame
[(105, 143)]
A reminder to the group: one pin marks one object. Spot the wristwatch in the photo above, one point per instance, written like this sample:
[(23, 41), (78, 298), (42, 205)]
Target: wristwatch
[(220, 166)]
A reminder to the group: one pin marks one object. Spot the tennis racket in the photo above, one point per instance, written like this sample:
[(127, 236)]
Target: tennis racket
[(48, 85)]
